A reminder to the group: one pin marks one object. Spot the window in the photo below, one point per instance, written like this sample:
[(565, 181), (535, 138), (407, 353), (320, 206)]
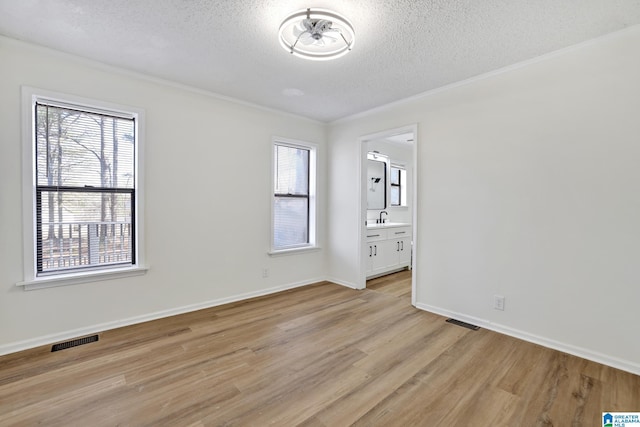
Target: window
[(83, 200), (398, 184), (294, 167)]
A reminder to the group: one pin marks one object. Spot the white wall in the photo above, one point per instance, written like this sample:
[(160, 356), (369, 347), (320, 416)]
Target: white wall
[(528, 187), (207, 202)]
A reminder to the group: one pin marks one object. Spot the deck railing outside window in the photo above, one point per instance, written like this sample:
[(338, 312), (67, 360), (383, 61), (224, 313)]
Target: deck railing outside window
[(73, 245)]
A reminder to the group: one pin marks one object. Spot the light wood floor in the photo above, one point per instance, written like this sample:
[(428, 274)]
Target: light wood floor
[(321, 355)]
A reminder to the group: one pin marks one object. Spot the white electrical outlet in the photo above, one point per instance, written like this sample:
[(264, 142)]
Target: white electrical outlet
[(265, 273), (498, 302)]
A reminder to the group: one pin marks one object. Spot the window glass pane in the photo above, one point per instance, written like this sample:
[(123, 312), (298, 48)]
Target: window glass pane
[(395, 176), (79, 149), (395, 195), (81, 229), (290, 221), (74, 206), (292, 170)]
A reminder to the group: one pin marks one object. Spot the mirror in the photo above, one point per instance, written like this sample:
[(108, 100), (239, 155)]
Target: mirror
[(376, 183)]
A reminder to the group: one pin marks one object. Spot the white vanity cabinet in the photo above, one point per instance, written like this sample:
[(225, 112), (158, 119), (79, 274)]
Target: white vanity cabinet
[(388, 248)]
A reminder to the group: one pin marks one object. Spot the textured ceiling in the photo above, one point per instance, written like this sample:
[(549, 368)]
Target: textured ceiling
[(230, 47)]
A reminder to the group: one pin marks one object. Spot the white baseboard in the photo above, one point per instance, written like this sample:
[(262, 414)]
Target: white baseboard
[(93, 329), (342, 283), (584, 353)]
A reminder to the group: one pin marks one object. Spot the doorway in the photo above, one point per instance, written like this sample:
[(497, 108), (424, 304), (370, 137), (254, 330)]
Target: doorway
[(388, 172)]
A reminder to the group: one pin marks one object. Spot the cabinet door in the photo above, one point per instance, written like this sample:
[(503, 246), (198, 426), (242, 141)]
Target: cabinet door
[(404, 253), (379, 260), (391, 251), (369, 249)]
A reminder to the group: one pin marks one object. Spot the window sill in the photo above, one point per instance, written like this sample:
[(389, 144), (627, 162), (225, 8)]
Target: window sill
[(81, 277), (293, 251)]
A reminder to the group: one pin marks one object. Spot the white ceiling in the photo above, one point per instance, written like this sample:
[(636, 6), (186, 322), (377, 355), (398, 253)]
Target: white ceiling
[(230, 47)]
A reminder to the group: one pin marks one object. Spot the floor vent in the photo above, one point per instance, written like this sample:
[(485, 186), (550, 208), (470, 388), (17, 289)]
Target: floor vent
[(74, 343), (463, 324)]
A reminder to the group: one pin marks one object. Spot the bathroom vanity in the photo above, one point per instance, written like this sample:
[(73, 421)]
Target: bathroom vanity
[(388, 248)]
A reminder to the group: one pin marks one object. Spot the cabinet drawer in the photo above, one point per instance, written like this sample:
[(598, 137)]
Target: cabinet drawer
[(376, 234), (399, 233)]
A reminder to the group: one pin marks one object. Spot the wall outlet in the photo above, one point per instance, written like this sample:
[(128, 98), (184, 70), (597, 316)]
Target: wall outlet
[(498, 302), (265, 273)]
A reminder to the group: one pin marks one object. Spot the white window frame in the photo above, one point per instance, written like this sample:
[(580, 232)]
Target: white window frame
[(31, 280), (313, 215)]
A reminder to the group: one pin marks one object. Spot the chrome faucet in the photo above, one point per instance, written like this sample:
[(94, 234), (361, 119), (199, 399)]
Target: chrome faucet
[(380, 220)]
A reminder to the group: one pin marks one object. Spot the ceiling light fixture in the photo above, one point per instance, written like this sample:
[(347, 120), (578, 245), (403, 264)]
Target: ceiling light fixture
[(316, 34)]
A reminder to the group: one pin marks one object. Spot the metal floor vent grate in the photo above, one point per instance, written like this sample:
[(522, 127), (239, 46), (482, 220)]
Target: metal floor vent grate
[(74, 343), (463, 324)]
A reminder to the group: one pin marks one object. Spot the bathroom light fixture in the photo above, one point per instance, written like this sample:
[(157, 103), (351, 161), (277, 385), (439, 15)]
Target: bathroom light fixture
[(316, 34)]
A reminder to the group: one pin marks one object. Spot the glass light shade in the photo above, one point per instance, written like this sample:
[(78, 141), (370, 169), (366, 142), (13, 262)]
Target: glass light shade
[(331, 44)]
